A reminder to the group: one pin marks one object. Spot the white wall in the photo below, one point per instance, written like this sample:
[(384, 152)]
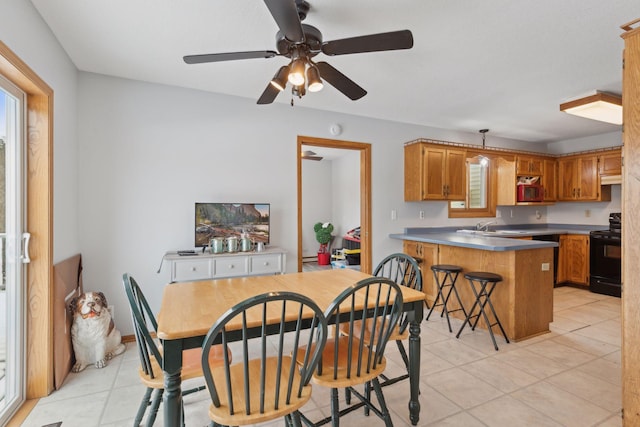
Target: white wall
[(576, 213), (316, 201), (605, 140), (346, 195), (24, 32)]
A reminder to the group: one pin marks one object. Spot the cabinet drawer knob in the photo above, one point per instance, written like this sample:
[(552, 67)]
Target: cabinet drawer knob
[(266, 263), (194, 269)]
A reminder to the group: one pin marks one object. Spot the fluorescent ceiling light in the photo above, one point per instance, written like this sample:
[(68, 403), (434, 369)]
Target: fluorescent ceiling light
[(602, 106)]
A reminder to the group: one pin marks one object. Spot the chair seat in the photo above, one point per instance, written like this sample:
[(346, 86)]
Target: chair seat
[(341, 380), (221, 414), (191, 366)]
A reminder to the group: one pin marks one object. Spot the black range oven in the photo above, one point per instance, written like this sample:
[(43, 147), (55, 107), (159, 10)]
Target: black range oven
[(606, 258)]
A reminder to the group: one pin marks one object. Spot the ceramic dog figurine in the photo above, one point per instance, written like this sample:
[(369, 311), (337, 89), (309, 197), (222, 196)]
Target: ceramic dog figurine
[(94, 336)]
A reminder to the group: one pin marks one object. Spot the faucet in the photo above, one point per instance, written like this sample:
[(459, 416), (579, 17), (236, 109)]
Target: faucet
[(484, 227)]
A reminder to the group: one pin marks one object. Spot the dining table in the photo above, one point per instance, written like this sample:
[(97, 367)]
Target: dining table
[(189, 309)]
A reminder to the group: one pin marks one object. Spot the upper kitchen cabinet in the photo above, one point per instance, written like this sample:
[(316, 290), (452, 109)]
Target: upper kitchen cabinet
[(529, 166), (508, 177), (434, 172), (579, 179), (549, 180), (610, 167)]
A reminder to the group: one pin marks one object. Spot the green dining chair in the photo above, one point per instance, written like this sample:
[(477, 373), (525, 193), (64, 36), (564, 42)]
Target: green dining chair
[(150, 354), (357, 357), (264, 385)]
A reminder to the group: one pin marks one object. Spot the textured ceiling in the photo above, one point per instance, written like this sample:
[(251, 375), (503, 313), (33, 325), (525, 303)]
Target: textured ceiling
[(499, 64)]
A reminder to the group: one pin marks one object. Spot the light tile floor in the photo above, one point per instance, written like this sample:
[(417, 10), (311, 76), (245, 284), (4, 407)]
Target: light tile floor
[(568, 377)]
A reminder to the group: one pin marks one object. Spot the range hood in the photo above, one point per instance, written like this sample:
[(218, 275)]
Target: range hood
[(611, 179)]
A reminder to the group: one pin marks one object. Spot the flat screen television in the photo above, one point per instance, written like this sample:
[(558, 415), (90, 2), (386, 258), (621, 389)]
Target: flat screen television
[(231, 219)]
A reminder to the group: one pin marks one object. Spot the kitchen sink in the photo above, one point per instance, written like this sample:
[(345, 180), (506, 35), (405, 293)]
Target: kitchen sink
[(492, 232)]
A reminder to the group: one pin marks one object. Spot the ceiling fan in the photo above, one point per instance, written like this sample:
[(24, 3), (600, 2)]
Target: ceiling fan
[(310, 155), (300, 43)]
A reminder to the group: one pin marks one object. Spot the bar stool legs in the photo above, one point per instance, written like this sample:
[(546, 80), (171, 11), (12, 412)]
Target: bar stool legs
[(448, 281), (486, 283)]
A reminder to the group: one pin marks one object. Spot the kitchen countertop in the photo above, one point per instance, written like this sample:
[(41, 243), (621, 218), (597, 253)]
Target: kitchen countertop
[(501, 242)]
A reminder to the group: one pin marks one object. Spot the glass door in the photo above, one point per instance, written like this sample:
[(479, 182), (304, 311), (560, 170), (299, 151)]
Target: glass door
[(12, 271)]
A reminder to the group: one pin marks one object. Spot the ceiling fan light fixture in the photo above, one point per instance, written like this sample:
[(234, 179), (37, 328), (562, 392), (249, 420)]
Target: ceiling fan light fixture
[(296, 72), (601, 106), (279, 81), (314, 82)]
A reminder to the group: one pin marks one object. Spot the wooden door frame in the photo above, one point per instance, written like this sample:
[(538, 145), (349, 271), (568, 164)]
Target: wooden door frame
[(365, 192), (39, 188)]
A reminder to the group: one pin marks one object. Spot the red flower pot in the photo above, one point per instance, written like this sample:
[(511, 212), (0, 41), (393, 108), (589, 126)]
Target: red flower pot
[(324, 258)]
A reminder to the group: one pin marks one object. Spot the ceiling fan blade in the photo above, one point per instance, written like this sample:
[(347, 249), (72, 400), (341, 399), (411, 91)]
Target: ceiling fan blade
[(341, 82), (231, 56), (372, 43), (316, 158), (285, 14), (269, 95)]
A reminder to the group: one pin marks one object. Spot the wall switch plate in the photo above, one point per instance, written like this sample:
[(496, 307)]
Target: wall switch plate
[(394, 214), (421, 215), (545, 266)]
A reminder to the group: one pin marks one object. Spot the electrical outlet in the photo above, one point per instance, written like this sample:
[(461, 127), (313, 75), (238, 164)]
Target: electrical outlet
[(421, 215), (545, 266), (587, 213), (498, 214), (394, 215), (511, 212)]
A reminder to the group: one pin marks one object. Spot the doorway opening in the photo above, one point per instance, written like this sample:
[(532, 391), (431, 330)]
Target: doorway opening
[(363, 163)]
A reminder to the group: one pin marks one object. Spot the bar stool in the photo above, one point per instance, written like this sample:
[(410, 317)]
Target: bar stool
[(482, 285), (447, 281)]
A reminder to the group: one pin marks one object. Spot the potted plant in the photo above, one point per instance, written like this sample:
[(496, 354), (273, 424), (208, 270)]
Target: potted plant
[(323, 236)]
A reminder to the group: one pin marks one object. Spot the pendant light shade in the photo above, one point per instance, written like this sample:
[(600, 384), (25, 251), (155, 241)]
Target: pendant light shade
[(314, 83), (296, 72), (601, 106), (279, 81)]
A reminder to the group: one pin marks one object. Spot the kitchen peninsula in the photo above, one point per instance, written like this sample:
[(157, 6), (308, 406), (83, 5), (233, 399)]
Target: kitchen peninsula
[(523, 300)]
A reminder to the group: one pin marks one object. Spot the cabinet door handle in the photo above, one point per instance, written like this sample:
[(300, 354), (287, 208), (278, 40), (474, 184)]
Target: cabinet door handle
[(578, 193)]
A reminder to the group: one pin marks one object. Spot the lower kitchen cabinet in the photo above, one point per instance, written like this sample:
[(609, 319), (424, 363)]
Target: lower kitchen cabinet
[(573, 259), (427, 255)]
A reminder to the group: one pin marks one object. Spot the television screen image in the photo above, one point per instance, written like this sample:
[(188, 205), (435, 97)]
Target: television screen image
[(231, 219)]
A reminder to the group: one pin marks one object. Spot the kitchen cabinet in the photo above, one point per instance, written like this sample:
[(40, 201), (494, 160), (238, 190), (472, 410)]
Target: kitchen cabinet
[(579, 179), (215, 266), (434, 172), (506, 168), (573, 259), (426, 254), (549, 181), (529, 166), (610, 163)]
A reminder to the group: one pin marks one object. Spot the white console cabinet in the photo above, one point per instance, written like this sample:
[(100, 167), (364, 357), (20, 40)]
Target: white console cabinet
[(214, 266)]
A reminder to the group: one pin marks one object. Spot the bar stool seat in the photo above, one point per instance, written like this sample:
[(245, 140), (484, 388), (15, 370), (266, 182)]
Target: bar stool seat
[(482, 284), (443, 282)]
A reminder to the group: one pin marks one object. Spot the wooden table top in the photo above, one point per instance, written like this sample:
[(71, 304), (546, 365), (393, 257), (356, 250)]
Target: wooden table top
[(189, 309)]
